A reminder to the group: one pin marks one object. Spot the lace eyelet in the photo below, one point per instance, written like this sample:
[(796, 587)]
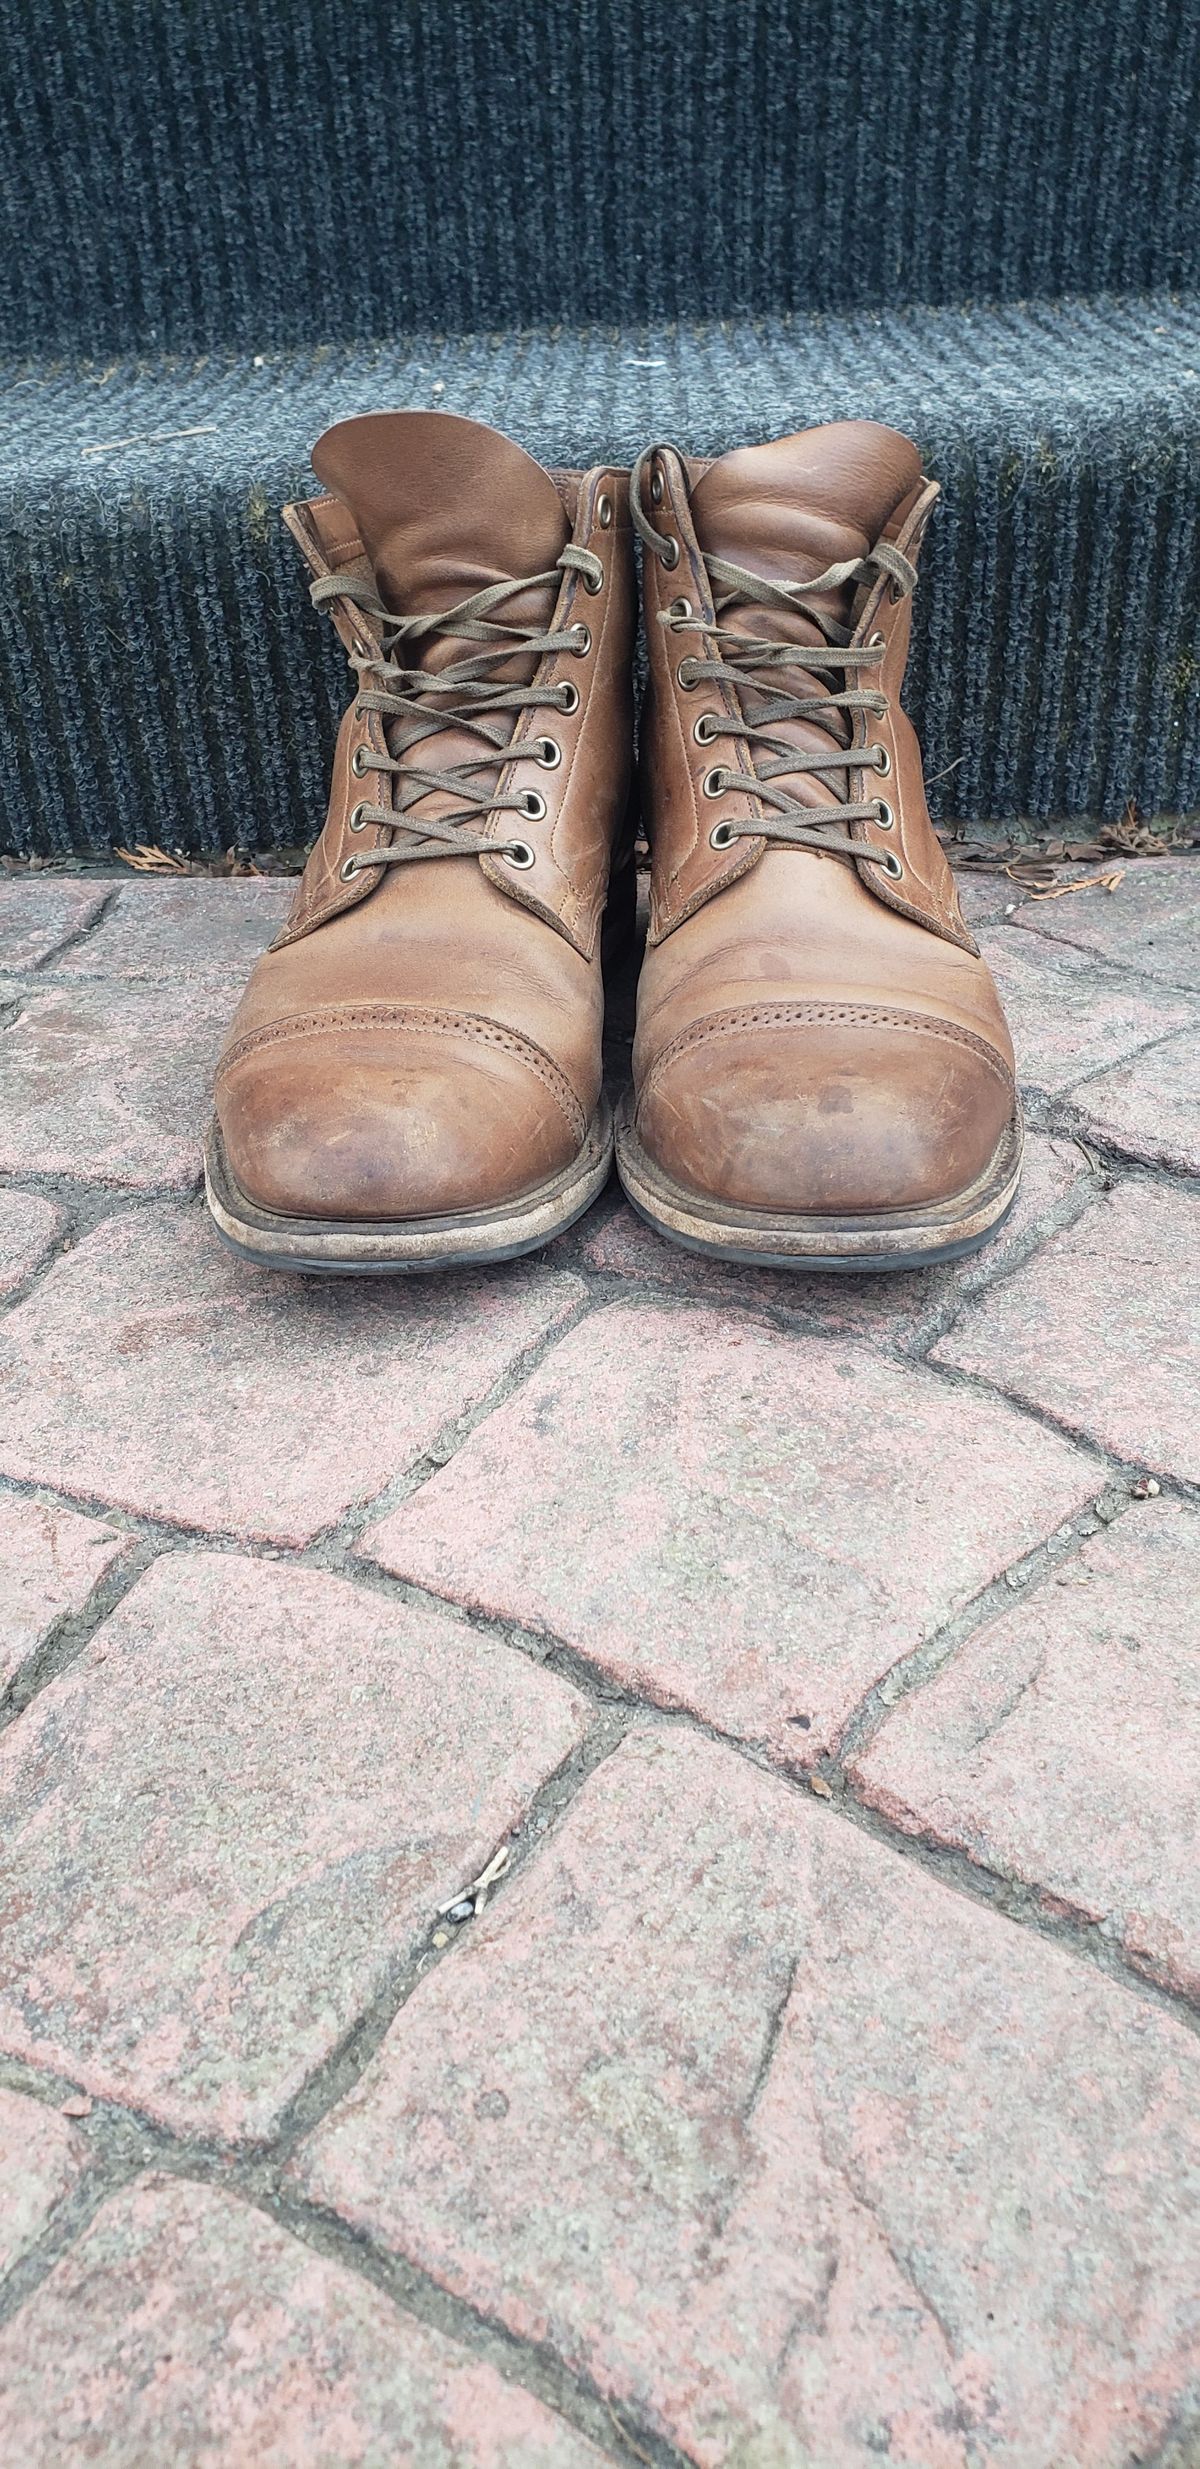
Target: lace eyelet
[(358, 820), (680, 608), (549, 753), (583, 641), (519, 853), (349, 869), (713, 783), (568, 697), (357, 764), (883, 814), (706, 728), (532, 805), (875, 640), (604, 511), (593, 584), (881, 760), (690, 680), (891, 865), (656, 486), (722, 836), (669, 551)]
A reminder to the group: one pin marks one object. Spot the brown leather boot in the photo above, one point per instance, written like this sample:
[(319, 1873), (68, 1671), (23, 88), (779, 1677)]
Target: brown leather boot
[(822, 1071), (413, 1075)]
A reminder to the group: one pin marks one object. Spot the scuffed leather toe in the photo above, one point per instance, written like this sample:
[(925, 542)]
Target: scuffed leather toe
[(377, 1112), (828, 1109)]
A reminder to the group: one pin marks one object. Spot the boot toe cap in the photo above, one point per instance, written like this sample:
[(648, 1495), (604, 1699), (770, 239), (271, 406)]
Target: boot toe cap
[(372, 1113), (829, 1110)]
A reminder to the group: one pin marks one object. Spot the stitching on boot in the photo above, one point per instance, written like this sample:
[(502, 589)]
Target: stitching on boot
[(825, 1015)]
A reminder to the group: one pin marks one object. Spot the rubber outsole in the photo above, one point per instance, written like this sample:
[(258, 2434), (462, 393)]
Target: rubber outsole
[(903, 1239), (406, 1247)]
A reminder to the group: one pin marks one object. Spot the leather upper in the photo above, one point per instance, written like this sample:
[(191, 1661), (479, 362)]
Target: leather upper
[(812, 1034), (424, 1038)]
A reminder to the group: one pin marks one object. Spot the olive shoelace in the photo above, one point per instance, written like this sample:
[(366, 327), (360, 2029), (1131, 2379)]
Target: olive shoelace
[(415, 704), (750, 664)]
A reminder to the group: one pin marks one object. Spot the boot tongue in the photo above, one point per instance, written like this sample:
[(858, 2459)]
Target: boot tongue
[(786, 511), (445, 507), (790, 509)]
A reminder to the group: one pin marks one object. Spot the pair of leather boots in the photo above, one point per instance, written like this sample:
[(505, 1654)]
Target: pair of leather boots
[(822, 1072)]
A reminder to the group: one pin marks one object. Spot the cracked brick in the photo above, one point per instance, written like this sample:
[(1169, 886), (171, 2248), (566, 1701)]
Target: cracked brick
[(793, 2151), (236, 1815), (1061, 1746)]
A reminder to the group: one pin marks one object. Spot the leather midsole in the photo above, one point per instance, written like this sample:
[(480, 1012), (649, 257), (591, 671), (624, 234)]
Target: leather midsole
[(803, 1233)]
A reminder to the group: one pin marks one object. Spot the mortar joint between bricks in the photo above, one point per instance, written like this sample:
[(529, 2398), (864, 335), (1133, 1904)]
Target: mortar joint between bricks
[(338, 2074), (332, 1547), (1020, 1579)]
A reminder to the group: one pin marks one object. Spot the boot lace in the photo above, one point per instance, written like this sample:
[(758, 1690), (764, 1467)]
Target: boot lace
[(415, 704), (752, 664)]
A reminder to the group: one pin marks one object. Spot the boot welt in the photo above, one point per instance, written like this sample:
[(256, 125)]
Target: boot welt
[(331, 1247), (770, 1239)]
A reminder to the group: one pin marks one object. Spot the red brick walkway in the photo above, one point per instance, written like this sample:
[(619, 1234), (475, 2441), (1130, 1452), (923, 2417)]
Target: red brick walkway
[(817, 2083)]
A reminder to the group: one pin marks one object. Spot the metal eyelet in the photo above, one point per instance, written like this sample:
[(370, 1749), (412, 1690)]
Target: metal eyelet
[(583, 641), (722, 836), (669, 551), (549, 753), (680, 608), (690, 680), (568, 697), (706, 728), (594, 583), (604, 511), (358, 712), (891, 865), (713, 783), (358, 819), (349, 869), (656, 486), (357, 764), (883, 814), (519, 853), (873, 640), (532, 805), (881, 760)]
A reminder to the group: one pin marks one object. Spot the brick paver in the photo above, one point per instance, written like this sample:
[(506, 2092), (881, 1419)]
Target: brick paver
[(266, 1782), (750, 1524), (896, 1309), (50, 1562), (42, 2157), (186, 2329), (986, 895), (1151, 922), (1101, 1327), (790, 2147), (28, 1227), (110, 1084), (1061, 1745), (184, 930), (152, 1370), (1070, 1013), (1149, 1108), (37, 914)]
